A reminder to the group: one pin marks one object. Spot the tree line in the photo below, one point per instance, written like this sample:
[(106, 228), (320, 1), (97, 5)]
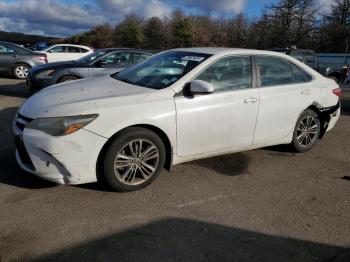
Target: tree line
[(282, 24)]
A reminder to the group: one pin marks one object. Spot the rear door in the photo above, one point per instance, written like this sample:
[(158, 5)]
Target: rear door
[(7, 57), (285, 91), (57, 53), (111, 63), (74, 53)]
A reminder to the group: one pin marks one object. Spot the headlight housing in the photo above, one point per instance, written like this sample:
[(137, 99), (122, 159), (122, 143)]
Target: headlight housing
[(45, 74), (61, 126)]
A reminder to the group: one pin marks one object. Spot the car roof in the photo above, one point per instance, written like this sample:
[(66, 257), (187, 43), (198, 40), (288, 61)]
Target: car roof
[(288, 50), (84, 46), (111, 49), (227, 51)]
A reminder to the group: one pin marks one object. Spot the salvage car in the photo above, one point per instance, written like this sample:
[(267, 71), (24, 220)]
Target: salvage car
[(18, 60), (178, 106), (101, 62)]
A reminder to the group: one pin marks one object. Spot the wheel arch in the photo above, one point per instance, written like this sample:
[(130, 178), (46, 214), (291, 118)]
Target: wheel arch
[(21, 63), (163, 136), (324, 118), (69, 75)]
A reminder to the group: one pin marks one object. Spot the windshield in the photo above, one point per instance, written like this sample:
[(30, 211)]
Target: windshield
[(162, 70), (89, 58)]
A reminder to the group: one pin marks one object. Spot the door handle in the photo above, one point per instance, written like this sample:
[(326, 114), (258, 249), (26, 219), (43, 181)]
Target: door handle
[(250, 100), (306, 92)]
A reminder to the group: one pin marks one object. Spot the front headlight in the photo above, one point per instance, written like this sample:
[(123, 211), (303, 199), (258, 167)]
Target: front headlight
[(45, 74), (61, 126)]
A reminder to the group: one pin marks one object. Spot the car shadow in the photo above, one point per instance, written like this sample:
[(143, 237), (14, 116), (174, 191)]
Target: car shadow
[(10, 173), (18, 89), (228, 165), (173, 239)]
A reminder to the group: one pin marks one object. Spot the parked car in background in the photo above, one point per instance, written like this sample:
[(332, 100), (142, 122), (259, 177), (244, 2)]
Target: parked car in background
[(18, 60), (65, 52), (101, 62), (178, 106), (336, 72), (41, 46)]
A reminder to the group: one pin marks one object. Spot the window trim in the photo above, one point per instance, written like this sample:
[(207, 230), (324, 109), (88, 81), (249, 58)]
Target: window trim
[(285, 60), (254, 75)]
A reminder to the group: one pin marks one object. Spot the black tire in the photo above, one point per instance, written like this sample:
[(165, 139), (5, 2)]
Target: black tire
[(120, 146), (67, 78), (20, 71), (305, 140)]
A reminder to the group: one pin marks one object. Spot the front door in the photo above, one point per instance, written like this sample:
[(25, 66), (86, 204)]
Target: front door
[(224, 119)]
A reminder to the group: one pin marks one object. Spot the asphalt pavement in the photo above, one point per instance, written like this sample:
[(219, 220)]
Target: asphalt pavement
[(261, 205)]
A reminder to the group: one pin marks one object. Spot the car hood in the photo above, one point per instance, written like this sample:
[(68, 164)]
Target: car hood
[(82, 97), (54, 66)]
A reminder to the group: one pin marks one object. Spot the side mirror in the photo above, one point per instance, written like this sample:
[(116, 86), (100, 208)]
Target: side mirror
[(200, 86), (100, 63)]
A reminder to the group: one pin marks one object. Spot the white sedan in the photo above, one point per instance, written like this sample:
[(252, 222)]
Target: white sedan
[(65, 52), (180, 105)]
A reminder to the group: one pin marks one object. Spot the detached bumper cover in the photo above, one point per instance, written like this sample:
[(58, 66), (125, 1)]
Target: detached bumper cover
[(68, 159), (330, 116)]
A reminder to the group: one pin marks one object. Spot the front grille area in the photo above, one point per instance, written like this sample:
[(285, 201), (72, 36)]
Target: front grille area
[(22, 121), (23, 154)]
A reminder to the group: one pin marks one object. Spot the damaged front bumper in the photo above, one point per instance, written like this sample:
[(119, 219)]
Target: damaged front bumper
[(67, 159)]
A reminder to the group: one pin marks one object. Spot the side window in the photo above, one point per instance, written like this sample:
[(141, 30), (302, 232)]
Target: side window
[(229, 73), (83, 50), (58, 49), (139, 57), (118, 59), (299, 75), (5, 49), (274, 71), (73, 49)]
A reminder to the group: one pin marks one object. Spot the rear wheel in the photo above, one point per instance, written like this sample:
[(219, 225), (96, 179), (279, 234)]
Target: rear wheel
[(134, 159), (67, 78), (21, 71), (307, 131)]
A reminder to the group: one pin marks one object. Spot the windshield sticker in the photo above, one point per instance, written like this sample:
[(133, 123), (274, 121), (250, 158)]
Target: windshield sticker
[(193, 58)]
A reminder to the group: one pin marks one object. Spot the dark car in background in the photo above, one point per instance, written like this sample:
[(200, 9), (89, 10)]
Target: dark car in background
[(337, 72), (101, 62), (18, 60)]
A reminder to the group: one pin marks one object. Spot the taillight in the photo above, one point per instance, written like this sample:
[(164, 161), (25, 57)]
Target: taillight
[(337, 91), (42, 58)]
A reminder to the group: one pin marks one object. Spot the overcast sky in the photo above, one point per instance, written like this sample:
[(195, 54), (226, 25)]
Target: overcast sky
[(67, 17)]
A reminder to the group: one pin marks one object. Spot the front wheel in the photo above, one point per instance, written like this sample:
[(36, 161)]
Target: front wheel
[(307, 131), (21, 71), (134, 159)]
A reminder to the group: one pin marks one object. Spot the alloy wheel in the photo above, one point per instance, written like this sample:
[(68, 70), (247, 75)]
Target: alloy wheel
[(136, 162), (21, 71), (307, 131)]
